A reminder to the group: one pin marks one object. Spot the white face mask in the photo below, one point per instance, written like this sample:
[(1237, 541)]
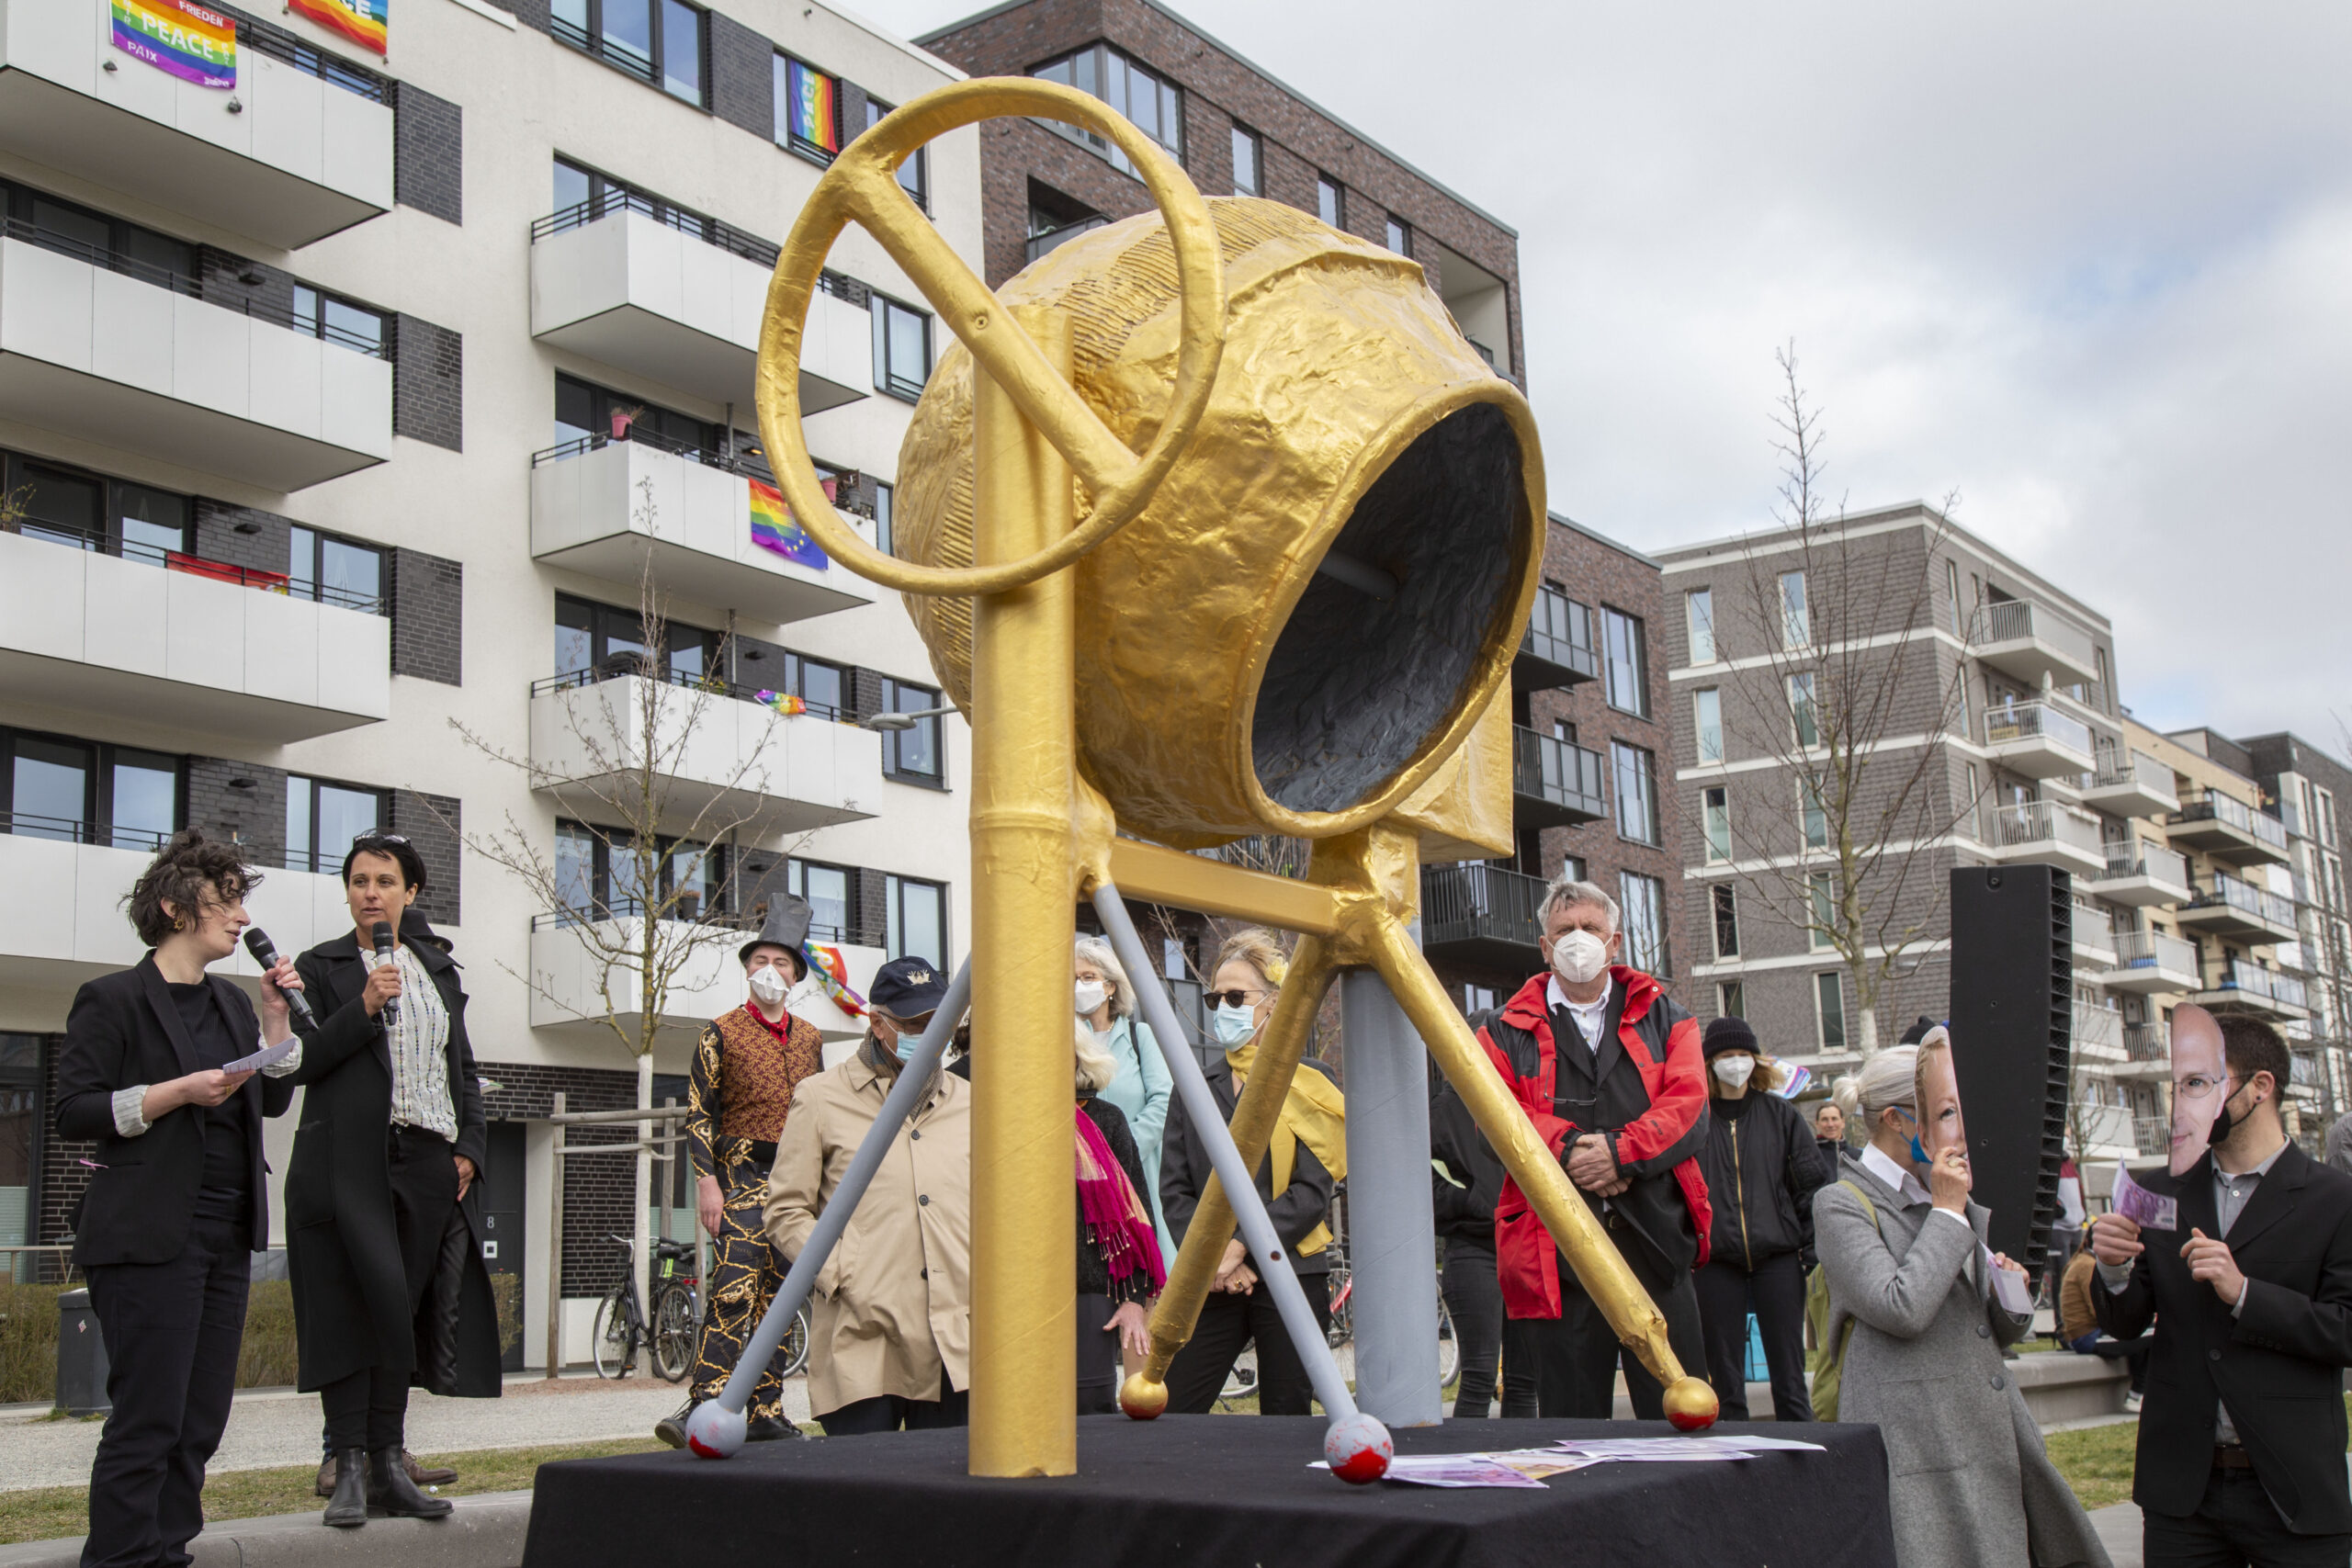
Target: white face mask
[(769, 985), (1091, 995), (1735, 1069), (1579, 957)]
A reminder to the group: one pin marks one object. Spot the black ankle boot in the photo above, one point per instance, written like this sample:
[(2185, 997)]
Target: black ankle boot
[(393, 1495), (348, 1507)]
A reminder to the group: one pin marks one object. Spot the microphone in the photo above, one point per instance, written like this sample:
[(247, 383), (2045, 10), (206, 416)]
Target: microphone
[(266, 954), (383, 935)]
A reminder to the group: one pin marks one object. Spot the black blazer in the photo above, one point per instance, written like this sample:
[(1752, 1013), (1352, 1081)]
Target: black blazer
[(124, 1030), (2278, 1365), (1184, 1172)]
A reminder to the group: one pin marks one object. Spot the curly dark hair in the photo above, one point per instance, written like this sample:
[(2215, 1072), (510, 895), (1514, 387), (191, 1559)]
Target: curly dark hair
[(189, 873)]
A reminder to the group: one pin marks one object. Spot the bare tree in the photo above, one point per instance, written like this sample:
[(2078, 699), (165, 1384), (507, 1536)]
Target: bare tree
[(1834, 702)]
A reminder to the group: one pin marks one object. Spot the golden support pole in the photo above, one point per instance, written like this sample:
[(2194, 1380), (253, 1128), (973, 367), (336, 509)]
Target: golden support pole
[(1024, 755), (1279, 1050)]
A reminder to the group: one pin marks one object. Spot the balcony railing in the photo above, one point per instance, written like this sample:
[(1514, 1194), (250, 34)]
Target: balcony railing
[(2151, 1135), (744, 464), (2045, 822), (281, 45), (2013, 722), (621, 666), (2149, 1042), (98, 542), (2246, 899), (81, 830), (1561, 773), (1475, 902), (2235, 813), (2120, 765), (2254, 980), (1560, 632), (1054, 238), (2016, 620), (2136, 857), (687, 910), (2153, 949)]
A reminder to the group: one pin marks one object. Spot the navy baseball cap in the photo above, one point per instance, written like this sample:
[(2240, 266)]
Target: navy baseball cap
[(907, 987)]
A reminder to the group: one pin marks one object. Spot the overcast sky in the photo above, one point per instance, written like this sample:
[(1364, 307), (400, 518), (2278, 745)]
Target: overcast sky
[(2088, 264)]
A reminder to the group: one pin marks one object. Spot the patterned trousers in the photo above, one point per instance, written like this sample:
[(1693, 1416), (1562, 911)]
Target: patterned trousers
[(744, 1274)]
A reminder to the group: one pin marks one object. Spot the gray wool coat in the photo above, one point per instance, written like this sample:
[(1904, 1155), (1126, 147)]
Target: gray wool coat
[(1971, 1486)]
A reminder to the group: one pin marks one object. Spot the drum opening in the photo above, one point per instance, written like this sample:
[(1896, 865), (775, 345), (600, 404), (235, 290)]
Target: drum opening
[(1358, 684)]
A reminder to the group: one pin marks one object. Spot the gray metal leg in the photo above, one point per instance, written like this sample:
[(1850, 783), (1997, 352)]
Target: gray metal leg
[(1390, 1229)]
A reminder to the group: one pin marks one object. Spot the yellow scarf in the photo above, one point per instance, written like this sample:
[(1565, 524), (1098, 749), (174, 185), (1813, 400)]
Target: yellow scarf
[(1315, 1111)]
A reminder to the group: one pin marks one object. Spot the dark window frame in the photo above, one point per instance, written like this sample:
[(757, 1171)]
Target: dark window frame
[(1638, 656), (887, 379), (911, 696), (22, 472), (1336, 190), (1167, 100), (1243, 135), (313, 316), (918, 162), (782, 132), (588, 36), (606, 663), (94, 824), (719, 882), (1645, 772), (326, 860), (1723, 904), (894, 886), (314, 586)]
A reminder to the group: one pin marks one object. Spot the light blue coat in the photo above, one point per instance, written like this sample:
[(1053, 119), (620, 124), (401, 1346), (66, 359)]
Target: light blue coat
[(1140, 1090)]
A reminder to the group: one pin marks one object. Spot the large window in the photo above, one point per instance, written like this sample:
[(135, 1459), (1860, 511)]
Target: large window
[(323, 817), (1249, 162), (115, 244), (1400, 237), (1796, 615), (1814, 813), (885, 499), (86, 791), (1725, 899), (657, 41), (1330, 201), (1804, 713), (599, 874), (1152, 105), (917, 913), (1643, 900), (587, 412), (338, 320), (21, 1122), (915, 753), (610, 641), (827, 888), (1707, 723), (1637, 773), (90, 511), (1698, 610), (1829, 1001), (1625, 662), (1731, 999), (914, 174), (824, 686), (901, 348), (1952, 592), (1714, 808), (333, 572), (808, 110), (1824, 909)]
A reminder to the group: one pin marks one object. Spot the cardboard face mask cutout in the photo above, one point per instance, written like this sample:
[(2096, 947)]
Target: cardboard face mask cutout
[(1937, 1084), (2200, 1083)]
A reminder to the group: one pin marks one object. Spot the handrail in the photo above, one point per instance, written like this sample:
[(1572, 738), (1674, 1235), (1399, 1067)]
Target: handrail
[(2239, 975), (2035, 820), (1474, 900), (713, 231), (81, 830), (281, 45), (2260, 902), (98, 541), (623, 666), (1546, 767), (741, 464), (2234, 813), (602, 909)]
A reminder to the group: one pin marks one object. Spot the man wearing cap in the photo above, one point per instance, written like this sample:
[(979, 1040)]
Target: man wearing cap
[(890, 1330), (746, 1069)]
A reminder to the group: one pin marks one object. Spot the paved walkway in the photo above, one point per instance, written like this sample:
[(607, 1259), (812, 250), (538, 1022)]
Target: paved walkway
[(272, 1427)]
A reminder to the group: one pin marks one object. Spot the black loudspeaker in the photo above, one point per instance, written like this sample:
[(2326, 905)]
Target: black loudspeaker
[(2013, 1036)]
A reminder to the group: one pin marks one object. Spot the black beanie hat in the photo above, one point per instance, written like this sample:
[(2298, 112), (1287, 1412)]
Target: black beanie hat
[(1917, 1032), (1728, 1034)]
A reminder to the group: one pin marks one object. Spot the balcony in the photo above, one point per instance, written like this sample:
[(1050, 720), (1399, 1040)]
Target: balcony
[(570, 950), (648, 288), (1053, 239), (1475, 913), (2147, 1053), (2239, 911), (2152, 1135), (2249, 987), (2125, 783), (2102, 1132), (2046, 831), (95, 345), (2148, 962), (2099, 1034), (2026, 642), (1557, 648), (285, 155), (618, 510), (2229, 830), (2036, 740), (200, 646), (2093, 944), (2142, 874), (1554, 782), (717, 758)]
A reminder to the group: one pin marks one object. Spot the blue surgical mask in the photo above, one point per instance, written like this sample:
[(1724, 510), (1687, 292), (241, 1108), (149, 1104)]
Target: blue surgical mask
[(1919, 1150), (906, 1044), (1233, 1025)]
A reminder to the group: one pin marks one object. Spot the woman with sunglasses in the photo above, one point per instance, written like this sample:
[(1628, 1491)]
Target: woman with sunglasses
[(1305, 1158), (382, 1200)]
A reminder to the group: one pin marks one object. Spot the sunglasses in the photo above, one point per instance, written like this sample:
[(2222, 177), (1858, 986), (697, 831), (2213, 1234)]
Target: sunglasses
[(361, 840), (1233, 999)]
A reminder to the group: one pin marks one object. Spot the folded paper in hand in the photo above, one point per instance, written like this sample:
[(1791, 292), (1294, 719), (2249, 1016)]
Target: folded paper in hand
[(2136, 1204), (267, 1056)]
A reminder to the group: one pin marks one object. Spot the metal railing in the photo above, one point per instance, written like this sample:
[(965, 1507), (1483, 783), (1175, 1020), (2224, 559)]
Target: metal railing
[(81, 830), (1560, 632), (2259, 903), (1544, 767), (2153, 949), (624, 666), (1473, 901), (2137, 857), (2252, 979), (281, 45), (1054, 238), (2233, 813), (685, 909), (2151, 1135), (2150, 1042), (2120, 765), (98, 541), (2017, 620), (2045, 822), (741, 463), (709, 231), (2035, 721)]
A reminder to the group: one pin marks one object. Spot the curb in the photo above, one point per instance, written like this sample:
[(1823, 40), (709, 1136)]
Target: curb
[(486, 1531)]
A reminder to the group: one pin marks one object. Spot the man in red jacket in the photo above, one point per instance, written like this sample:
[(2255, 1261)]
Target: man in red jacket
[(1609, 1072)]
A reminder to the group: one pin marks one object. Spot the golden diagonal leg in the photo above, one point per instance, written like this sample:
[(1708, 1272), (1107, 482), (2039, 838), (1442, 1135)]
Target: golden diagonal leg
[(1640, 1326), (1279, 1050)]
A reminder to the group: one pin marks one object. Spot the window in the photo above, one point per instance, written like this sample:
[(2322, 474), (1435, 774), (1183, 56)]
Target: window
[(917, 913), (324, 817), (1803, 713), (1636, 793), (1829, 1001), (901, 348), (1952, 592), (1796, 620), (885, 498), (913, 753), (600, 876), (335, 572), (1574, 867), (593, 414), (823, 686), (826, 889), (657, 41), (1824, 914), (1152, 105), (338, 320), (1731, 999), (90, 511), (1707, 716), (914, 174), (1476, 1000), (1330, 201), (1698, 610), (85, 792), (1643, 900), (808, 110), (1715, 807), (1814, 813), (1624, 662), (603, 641), (1248, 159), (88, 235), (1400, 237), (1727, 906)]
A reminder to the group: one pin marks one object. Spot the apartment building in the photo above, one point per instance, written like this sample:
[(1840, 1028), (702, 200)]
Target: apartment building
[(2308, 783), (351, 405)]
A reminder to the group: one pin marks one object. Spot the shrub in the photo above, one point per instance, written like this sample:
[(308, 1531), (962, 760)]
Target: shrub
[(28, 1339)]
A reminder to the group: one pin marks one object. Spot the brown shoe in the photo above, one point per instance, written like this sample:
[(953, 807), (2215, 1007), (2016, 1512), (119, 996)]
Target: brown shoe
[(325, 1488), (437, 1475)]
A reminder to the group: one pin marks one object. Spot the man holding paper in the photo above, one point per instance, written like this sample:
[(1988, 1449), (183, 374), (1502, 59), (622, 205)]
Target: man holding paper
[(2242, 1439)]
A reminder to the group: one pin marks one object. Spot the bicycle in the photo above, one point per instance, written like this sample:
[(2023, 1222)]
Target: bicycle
[(620, 1329), (1342, 1286)]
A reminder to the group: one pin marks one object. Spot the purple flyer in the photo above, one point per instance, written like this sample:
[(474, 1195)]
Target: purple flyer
[(2135, 1202)]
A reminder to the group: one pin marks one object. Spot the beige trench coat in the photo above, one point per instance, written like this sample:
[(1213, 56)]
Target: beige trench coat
[(892, 1307)]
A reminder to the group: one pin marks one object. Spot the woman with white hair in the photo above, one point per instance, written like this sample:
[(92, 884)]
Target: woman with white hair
[(1119, 1268), (1140, 1084), (1912, 1282)]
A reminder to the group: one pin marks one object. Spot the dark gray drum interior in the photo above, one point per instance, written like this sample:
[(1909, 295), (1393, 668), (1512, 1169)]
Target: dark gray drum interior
[(1357, 683)]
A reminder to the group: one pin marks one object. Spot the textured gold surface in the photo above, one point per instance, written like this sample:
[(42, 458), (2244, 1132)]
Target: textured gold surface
[(1464, 812)]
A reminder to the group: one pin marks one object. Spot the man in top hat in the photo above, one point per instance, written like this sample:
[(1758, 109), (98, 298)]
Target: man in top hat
[(746, 1069)]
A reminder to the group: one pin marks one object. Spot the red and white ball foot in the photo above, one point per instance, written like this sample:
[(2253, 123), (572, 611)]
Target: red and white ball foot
[(713, 1431), (1358, 1449)]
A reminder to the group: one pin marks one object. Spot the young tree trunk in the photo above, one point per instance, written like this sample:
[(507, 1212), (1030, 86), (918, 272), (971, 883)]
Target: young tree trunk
[(642, 1209)]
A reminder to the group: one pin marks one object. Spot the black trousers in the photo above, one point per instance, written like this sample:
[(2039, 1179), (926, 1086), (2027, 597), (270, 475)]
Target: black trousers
[(1229, 1322), (1775, 1291), (1474, 1298), (889, 1412), (1521, 1353), (1576, 1354), (1098, 1357), (369, 1408), (2235, 1526), (172, 1334)]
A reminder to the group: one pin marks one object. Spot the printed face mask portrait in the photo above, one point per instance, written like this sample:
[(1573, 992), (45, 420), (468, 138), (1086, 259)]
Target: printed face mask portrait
[(2200, 1083), (1938, 1086)]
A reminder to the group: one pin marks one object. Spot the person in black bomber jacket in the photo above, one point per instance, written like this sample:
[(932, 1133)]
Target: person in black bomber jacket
[(178, 1203), (1465, 1181)]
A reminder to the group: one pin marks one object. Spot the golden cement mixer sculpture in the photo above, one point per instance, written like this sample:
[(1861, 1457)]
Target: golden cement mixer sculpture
[(1290, 614)]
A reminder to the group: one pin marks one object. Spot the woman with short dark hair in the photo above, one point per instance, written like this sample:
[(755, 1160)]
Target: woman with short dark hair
[(176, 1204), (381, 1199)]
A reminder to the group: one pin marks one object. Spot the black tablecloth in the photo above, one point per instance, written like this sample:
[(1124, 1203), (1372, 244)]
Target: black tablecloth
[(1217, 1490)]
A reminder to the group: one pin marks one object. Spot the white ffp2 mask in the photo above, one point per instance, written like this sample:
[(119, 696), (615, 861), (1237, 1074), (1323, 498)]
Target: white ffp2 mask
[(1735, 1070), (1091, 995), (769, 985), (1579, 957)]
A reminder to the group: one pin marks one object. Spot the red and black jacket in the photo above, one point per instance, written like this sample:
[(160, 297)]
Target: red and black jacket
[(1649, 1097)]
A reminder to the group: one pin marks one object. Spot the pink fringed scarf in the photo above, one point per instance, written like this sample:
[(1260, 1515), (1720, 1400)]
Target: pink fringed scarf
[(1115, 1214)]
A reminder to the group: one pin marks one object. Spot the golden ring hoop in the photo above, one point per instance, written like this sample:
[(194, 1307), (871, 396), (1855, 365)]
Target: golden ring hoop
[(863, 187)]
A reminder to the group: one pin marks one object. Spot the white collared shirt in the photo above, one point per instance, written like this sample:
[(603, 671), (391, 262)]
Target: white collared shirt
[(1591, 1017)]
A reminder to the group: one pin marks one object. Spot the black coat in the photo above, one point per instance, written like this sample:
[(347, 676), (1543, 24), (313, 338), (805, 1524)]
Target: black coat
[(1762, 1167), (1461, 1201), (2278, 1364), (1093, 1271), (124, 1030), (1184, 1172), (342, 1249)]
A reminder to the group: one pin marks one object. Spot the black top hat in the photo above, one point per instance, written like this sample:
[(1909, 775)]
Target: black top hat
[(907, 987), (786, 927)]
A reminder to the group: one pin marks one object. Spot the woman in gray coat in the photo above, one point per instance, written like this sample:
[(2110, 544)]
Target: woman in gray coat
[(1911, 1278)]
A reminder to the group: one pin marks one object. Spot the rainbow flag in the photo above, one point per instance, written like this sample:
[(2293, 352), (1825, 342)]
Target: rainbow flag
[(774, 528), (814, 107), (783, 703), (363, 22), (832, 974), (190, 42)]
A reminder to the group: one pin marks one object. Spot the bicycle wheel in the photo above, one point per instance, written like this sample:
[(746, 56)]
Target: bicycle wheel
[(612, 1338), (673, 1331), (1449, 1349), (795, 1342)]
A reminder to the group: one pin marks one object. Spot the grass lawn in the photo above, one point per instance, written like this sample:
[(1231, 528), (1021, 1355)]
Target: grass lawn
[(2096, 1460)]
